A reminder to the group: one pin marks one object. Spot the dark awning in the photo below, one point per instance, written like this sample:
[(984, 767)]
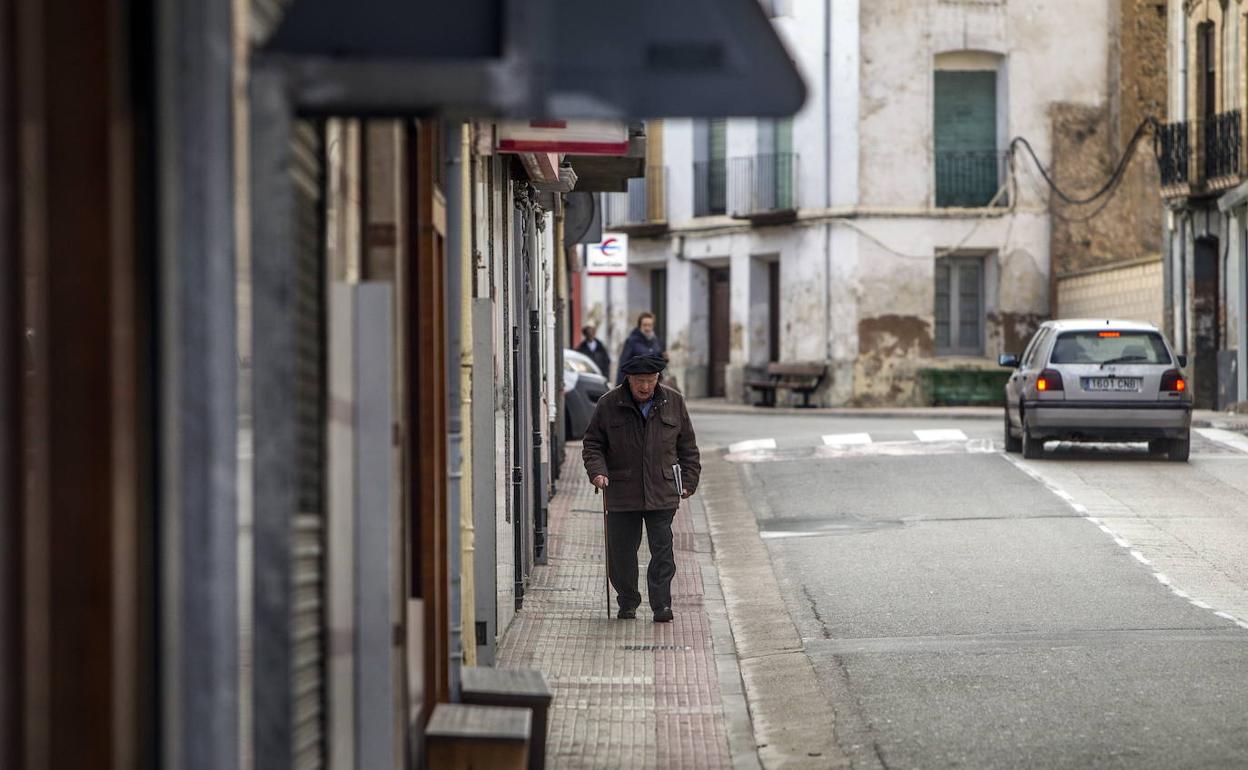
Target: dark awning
[(536, 58)]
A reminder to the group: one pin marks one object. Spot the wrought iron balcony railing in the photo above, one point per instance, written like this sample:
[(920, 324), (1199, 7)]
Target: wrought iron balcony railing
[(970, 179), (645, 203), (1222, 146), (1174, 153), (710, 187), (762, 185)]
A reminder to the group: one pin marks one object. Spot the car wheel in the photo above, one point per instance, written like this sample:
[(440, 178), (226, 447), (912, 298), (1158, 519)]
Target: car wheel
[(1012, 442), (1033, 448), (1158, 446), (1180, 448)]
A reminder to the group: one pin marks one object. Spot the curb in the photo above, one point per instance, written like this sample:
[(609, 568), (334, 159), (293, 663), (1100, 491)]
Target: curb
[(793, 721), (741, 746), (1200, 419), (947, 413)]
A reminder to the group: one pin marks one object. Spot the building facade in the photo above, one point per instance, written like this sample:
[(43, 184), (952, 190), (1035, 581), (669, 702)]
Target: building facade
[(885, 230), (1203, 189), (280, 341)]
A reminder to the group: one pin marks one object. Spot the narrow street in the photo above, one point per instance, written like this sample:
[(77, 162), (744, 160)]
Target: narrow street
[(964, 607)]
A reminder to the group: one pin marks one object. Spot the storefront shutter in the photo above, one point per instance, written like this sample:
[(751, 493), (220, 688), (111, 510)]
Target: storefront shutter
[(307, 643)]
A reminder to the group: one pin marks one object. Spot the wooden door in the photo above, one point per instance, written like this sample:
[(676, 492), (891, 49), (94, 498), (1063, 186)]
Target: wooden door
[(773, 311), (718, 317), (1205, 314)]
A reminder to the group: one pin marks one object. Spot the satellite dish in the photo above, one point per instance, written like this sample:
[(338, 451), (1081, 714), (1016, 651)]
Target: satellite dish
[(581, 220)]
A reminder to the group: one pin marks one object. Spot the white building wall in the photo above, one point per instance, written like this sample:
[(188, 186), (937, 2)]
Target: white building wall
[(857, 265)]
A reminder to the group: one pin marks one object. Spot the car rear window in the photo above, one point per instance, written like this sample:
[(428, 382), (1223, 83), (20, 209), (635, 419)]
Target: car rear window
[(1110, 346)]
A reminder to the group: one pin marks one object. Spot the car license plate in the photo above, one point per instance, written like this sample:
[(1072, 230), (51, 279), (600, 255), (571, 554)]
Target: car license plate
[(1112, 384)]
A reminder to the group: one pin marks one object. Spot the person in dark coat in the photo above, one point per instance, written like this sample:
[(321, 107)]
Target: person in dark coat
[(640, 450), (642, 341), (593, 347)]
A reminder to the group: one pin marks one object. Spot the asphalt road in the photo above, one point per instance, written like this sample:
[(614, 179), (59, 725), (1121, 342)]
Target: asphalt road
[(964, 608)]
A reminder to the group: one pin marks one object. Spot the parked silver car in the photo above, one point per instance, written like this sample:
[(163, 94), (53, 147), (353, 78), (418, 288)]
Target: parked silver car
[(1097, 380), (583, 385)]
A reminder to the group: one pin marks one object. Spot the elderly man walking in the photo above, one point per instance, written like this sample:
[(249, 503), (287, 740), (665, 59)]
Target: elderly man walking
[(640, 450)]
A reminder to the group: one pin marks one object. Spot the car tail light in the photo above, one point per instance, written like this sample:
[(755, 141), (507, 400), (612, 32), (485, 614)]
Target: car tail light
[(1172, 382), (1049, 380)]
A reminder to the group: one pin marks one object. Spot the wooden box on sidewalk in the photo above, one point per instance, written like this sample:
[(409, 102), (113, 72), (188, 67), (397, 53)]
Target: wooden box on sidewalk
[(516, 687), (465, 737)]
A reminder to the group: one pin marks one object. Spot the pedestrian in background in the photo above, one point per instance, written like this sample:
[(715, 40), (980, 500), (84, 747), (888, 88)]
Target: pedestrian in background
[(640, 450), (595, 349), (642, 341)]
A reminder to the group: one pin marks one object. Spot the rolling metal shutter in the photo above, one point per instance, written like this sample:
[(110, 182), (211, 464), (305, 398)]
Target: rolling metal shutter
[(308, 621)]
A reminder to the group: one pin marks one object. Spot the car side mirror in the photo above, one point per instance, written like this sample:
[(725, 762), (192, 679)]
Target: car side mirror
[(1008, 359), (1182, 361)]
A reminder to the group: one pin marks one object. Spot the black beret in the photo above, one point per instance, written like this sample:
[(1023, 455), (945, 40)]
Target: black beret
[(647, 364)]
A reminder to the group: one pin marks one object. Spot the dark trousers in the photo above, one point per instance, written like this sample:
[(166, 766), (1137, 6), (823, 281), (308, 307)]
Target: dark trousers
[(624, 531)]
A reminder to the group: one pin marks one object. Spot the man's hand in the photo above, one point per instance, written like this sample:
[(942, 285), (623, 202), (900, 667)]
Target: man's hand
[(601, 481), (687, 493)]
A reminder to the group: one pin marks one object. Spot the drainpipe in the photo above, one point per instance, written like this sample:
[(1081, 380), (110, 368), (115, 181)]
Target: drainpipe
[(827, 177), (467, 586), (456, 460), (535, 386)]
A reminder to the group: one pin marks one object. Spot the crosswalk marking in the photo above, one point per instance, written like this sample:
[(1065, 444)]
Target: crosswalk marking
[(757, 443), (1226, 437), (942, 434), (847, 439)]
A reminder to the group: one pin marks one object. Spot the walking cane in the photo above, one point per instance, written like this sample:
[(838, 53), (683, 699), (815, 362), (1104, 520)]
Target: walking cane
[(606, 549)]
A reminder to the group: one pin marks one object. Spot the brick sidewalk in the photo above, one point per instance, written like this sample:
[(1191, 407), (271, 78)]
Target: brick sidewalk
[(627, 693)]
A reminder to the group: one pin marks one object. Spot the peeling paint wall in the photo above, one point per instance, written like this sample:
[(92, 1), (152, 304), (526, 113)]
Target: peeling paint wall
[(857, 267)]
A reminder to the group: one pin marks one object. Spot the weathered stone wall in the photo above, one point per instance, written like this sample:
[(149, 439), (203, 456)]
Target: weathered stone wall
[(1089, 140)]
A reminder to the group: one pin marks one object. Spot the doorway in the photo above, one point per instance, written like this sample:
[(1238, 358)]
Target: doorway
[(718, 332), (1205, 313), (658, 303), (773, 312)]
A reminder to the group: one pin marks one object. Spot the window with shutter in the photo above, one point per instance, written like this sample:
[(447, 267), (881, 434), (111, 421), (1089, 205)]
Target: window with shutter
[(710, 167), (959, 311), (942, 305)]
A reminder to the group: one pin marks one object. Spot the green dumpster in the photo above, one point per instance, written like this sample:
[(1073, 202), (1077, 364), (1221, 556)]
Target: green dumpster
[(964, 387)]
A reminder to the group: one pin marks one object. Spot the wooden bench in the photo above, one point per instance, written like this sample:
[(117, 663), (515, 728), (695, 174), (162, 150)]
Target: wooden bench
[(463, 737), (515, 687), (799, 378)]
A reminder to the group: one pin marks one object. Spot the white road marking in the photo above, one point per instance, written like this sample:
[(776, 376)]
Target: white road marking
[(1225, 437), (941, 434), (784, 535), (847, 439), (980, 446), (758, 443), (1161, 577)]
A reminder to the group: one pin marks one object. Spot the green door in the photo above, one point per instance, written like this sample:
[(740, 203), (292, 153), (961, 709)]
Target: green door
[(717, 170), (965, 137), (785, 164)]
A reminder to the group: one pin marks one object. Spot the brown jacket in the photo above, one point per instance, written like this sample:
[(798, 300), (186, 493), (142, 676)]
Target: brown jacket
[(637, 454)]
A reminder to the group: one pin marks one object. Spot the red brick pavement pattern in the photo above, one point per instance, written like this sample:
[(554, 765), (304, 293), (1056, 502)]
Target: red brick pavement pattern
[(617, 707)]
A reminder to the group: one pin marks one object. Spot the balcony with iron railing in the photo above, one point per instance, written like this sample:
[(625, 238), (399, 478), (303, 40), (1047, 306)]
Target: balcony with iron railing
[(643, 209), (1173, 146), (1222, 148), (966, 179), (1200, 157), (763, 187), (710, 188)]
